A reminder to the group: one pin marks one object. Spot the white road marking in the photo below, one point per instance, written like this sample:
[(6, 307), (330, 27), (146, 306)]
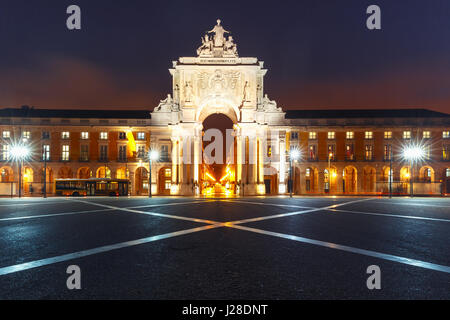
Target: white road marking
[(282, 215), (52, 215), (414, 204), (85, 253), (89, 211), (330, 245), (155, 214), (31, 203), (390, 215), (268, 204)]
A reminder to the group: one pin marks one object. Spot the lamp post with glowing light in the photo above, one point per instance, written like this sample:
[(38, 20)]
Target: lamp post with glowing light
[(152, 156), (19, 153), (413, 153), (294, 155)]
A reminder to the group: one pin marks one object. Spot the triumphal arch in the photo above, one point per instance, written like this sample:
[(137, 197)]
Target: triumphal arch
[(218, 80)]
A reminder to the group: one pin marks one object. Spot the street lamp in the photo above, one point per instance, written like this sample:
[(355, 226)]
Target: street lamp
[(19, 153), (413, 153), (152, 156), (294, 155)]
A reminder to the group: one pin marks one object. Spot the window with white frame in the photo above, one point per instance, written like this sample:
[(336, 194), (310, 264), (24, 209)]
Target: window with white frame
[(141, 135), (141, 152), (46, 152), (369, 152), (5, 152), (65, 155), (368, 135), (103, 153), (26, 135)]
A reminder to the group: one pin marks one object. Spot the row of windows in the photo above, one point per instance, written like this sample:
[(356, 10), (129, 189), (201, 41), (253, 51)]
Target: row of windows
[(368, 135), (66, 135), (368, 152), (84, 153)]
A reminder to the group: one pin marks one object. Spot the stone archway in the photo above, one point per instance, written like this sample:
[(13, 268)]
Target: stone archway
[(6, 174), (164, 181), (369, 179), (350, 178), (218, 177), (84, 173), (103, 172), (311, 180), (141, 181), (65, 173)]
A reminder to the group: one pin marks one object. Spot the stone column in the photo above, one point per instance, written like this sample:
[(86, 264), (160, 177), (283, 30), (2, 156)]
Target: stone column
[(282, 189), (175, 157), (239, 160)]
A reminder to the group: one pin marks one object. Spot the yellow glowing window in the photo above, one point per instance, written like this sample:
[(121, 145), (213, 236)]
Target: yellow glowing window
[(308, 172), (168, 173), (368, 135), (26, 135), (65, 135), (312, 135), (85, 135), (350, 135), (65, 156), (331, 135), (6, 134), (426, 134), (446, 134), (269, 151), (104, 135), (406, 134), (388, 134)]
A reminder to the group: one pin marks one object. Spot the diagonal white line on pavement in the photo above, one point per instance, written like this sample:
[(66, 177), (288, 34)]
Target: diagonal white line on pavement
[(90, 211), (155, 214), (90, 252), (268, 204), (282, 215), (52, 215), (414, 204), (330, 245), (388, 215)]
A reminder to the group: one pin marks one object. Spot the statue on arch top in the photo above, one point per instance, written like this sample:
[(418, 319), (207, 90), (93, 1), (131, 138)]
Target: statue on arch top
[(218, 45), (219, 39)]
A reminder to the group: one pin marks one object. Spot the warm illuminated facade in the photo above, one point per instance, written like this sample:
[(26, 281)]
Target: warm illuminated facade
[(343, 151)]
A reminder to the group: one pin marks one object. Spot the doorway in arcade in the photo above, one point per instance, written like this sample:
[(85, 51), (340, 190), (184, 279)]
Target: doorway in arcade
[(218, 179)]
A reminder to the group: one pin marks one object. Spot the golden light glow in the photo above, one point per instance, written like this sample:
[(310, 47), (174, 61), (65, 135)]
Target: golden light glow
[(131, 144), (210, 176)]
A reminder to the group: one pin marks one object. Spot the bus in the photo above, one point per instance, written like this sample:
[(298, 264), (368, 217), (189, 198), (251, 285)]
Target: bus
[(92, 187)]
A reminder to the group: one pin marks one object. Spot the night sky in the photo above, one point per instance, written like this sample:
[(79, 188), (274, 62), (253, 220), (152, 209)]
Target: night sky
[(319, 53)]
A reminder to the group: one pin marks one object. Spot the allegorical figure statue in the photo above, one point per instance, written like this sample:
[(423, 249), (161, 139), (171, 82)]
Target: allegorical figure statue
[(206, 46), (247, 92), (219, 31), (188, 92)]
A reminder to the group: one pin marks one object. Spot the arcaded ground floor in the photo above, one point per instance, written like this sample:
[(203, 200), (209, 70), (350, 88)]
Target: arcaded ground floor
[(317, 178), (258, 248)]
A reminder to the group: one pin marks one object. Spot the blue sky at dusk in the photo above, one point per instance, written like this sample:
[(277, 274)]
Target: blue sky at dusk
[(319, 53)]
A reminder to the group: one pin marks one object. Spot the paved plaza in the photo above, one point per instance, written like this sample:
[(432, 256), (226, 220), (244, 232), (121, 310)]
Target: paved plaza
[(225, 248)]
